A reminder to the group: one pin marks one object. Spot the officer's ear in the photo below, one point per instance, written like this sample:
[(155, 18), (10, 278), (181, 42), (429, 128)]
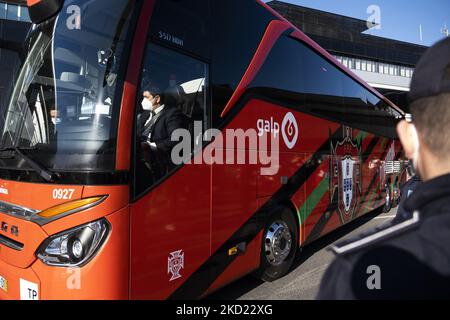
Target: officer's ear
[(405, 132)]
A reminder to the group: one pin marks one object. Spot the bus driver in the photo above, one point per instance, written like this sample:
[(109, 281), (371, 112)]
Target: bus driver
[(156, 125)]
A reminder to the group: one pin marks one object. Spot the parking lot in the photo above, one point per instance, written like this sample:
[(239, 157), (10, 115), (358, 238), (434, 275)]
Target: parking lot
[(303, 282)]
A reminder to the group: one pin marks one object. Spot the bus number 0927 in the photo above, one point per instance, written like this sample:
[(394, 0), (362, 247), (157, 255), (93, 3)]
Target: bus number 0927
[(63, 194)]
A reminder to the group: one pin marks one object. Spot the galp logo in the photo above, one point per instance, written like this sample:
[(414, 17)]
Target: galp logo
[(289, 130)]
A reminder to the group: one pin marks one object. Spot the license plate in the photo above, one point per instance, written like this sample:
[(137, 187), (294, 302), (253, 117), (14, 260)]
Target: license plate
[(3, 284)]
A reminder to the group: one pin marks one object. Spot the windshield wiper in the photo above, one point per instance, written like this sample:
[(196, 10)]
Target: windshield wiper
[(43, 172)]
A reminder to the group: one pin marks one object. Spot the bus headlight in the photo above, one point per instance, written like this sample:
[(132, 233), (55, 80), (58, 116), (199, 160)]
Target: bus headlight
[(74, 247)]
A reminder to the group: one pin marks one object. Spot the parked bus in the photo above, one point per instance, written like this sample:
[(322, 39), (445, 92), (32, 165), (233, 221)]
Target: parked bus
[(84, 215)]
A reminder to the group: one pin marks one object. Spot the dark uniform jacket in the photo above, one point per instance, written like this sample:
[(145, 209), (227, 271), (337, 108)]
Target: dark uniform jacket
[(405, 259)]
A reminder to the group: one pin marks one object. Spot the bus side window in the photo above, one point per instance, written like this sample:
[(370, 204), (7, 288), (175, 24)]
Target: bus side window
[(173, 98)]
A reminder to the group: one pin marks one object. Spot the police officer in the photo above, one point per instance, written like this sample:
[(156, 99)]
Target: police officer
[(409, 258)]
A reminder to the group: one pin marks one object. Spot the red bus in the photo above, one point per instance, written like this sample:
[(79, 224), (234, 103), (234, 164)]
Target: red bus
[(92, 207)]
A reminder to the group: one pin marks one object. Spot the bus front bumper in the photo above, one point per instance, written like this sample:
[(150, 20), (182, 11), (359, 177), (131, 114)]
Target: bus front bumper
[(18, 284), (105, 277)]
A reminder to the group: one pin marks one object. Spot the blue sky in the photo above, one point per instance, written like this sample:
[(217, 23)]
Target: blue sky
[(400, 19)]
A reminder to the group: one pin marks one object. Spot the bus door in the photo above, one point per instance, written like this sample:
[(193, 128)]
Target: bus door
[(170, 220), (171, 216)]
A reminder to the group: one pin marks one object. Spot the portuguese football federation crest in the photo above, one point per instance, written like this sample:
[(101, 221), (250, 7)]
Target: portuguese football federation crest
[(175, 264), (345, 182)]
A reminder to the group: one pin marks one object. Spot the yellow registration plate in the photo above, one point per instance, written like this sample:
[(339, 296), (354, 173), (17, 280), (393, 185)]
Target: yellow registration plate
[(3, 284)]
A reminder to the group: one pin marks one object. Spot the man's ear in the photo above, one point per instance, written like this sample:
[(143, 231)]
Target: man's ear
[(405, 133)]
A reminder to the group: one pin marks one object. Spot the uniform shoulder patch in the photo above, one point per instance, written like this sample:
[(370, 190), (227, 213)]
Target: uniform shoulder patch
[(376, 236)]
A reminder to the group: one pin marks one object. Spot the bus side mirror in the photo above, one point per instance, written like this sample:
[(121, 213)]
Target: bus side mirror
[(41, 10)]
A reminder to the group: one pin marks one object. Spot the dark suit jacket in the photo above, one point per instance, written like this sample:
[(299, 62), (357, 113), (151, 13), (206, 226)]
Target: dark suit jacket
[(140, 124), (168, 120)]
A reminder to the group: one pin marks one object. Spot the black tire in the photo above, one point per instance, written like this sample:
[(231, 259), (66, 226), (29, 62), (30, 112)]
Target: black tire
[(388, 199), (272, 270)]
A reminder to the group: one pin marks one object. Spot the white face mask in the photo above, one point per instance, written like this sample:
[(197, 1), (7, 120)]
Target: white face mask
[(416, 141), (147, 105)]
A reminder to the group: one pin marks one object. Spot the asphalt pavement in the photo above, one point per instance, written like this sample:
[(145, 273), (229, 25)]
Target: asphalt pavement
[(303, 282)]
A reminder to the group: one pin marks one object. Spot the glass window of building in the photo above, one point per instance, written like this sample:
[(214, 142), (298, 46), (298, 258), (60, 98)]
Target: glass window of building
[(391, 70), (24, 15), (12, 12), (345, 62), (3, 10), (402, 71), (377, 67), (363, 65)]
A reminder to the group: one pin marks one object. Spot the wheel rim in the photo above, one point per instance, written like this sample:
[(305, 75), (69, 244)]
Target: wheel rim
[(278, 243), (388, 198)]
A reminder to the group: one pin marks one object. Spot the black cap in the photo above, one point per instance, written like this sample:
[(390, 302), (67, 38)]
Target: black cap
[(432, 74)]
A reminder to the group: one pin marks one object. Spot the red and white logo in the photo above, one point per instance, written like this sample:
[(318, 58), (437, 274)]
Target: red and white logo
[(175, 264), (289, 130), (346, 175)]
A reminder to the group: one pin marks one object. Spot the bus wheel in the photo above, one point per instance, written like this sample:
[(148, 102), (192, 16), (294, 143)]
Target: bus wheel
[(279, 246), (388, 199)]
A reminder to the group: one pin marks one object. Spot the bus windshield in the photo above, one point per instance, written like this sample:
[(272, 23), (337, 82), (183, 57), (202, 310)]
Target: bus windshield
[(65, 104)]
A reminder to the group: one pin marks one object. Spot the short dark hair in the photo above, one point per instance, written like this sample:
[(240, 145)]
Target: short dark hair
[(431, 117), (156, 92)]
